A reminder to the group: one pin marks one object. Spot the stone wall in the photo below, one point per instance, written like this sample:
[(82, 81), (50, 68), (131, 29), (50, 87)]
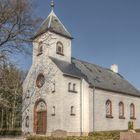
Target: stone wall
[(129, 136)]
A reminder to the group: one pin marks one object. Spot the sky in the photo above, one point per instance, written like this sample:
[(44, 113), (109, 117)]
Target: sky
[(105, 32)]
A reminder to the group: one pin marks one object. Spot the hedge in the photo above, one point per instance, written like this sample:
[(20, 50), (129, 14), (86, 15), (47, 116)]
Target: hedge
[(15, 132)]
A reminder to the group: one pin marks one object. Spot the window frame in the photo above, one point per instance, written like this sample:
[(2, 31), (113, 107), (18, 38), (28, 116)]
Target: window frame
[(40, 48), (59, 45), (27, 122), (38, 80), (132, 116), (71, 87), (110, 109), (53, 111), (53, 87), (72, 112), (121, 109)]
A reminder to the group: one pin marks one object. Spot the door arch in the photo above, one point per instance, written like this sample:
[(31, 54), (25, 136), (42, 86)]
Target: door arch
[(40, 117)]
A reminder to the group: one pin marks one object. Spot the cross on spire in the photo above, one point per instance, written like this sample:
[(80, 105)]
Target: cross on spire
[(52, 4)]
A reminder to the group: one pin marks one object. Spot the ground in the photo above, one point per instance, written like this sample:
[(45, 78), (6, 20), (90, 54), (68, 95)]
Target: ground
[(12, 138)]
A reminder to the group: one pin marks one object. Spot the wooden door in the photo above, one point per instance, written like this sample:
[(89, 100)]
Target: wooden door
[(41, 122)]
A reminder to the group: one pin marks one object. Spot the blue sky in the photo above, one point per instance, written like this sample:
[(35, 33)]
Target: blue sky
[(105, 32)]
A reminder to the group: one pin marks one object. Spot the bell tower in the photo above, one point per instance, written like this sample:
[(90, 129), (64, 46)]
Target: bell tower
[(52, 39)]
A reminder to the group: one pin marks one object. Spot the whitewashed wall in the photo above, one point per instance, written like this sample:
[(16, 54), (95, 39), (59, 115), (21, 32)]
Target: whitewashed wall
[(101, 123)]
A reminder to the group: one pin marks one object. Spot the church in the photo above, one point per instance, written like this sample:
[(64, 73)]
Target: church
[(64, 93)]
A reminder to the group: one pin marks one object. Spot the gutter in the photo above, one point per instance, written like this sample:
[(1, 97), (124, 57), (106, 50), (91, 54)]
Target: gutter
[(118, 92), (73, 76), (93, 108), (81, 112)]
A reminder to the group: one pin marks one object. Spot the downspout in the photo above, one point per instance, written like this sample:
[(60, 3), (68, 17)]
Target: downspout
[(81, 117), (93, 108)]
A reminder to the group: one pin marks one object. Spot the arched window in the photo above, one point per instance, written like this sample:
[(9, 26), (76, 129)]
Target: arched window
[(121, 110), (109, 109), (27, 122), (59, 48), (40, 48), (132, 111)]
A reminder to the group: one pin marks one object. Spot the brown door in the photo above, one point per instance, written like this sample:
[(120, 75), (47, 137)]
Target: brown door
[(41, 122)]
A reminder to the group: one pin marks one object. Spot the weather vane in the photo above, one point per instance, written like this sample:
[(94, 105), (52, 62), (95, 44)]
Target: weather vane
[(52, 4)]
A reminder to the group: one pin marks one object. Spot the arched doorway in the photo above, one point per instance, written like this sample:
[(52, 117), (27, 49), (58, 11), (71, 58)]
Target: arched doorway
[(40, 117)]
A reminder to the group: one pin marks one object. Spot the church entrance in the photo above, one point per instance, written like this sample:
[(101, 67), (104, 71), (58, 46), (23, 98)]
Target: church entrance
[(40, 117)]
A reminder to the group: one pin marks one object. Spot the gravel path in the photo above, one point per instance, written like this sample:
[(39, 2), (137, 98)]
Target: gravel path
[(12, 138)]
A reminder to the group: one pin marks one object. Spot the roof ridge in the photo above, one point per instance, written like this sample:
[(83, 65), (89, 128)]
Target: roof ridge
[(90, 63)]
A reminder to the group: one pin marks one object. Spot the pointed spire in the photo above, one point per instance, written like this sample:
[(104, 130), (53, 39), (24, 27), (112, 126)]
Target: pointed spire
[(52, 5), (53, 24)]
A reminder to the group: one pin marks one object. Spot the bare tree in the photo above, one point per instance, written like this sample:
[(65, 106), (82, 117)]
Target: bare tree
[(17, 26), (10, 96)]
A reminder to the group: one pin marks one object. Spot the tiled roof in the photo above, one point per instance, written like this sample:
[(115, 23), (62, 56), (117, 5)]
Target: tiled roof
[(53, 24), (97, 76)]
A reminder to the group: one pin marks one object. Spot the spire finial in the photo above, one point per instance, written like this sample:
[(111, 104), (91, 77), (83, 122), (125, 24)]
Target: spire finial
[(52, 4)]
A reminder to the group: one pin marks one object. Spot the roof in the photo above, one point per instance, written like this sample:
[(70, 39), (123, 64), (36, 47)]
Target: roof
[(97, 76), (53, 24)]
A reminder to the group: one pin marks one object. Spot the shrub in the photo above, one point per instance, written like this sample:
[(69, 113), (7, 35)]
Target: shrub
[(130, 125), (15, 132)]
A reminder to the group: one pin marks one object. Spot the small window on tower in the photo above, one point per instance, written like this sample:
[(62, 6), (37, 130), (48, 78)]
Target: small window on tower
[(59, 48)]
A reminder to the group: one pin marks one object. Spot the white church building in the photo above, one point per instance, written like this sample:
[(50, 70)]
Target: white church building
[(64, 93)]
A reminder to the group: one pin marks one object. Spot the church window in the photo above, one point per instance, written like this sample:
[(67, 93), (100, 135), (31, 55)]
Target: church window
[(40, 48), (74, 87), (27, 95), (121, 110), (59, 48), (109, 109), (69, 86), (72, 113), (40, 80), (132, 111), (27, 121), (53, 111), (53, 87)]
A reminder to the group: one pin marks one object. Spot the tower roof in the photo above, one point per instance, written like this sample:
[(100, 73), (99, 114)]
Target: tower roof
[(53, 24)]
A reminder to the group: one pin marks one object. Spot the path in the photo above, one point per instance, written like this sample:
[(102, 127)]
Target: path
[(12, 138)]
